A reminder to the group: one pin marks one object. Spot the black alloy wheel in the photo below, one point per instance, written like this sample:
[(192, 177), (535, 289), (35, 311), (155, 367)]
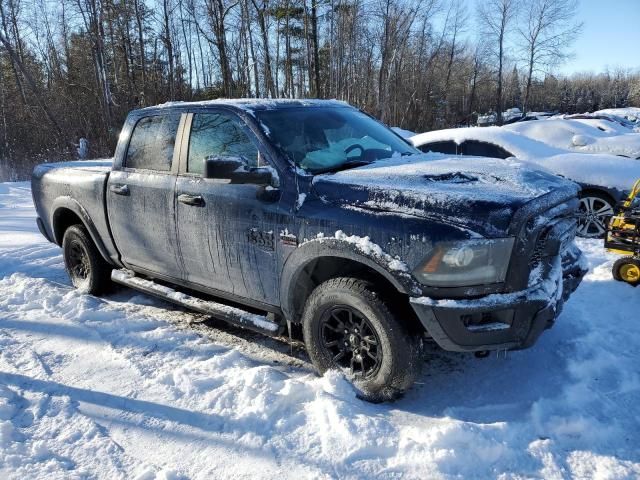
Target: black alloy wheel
[(350, 340), (87, 269)]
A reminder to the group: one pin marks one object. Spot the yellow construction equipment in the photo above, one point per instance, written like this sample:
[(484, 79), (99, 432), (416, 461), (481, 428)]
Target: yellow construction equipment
[(623, 237)]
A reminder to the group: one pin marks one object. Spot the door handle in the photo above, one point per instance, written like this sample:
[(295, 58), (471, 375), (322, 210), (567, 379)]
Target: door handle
[(119, 189), (193, 200)]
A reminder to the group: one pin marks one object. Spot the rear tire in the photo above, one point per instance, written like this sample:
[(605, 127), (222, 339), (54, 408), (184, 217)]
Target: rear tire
[(88, 271), (348, 326), (627, 269)]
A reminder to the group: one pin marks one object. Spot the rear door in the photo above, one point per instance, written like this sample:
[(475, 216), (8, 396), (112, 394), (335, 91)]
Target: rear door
[(226, 231), (140, 197)]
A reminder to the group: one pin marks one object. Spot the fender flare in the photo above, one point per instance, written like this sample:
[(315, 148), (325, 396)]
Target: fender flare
[(68, 203), (330, 247)]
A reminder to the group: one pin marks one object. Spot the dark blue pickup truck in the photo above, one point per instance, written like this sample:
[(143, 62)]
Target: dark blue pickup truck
[(312, 217)]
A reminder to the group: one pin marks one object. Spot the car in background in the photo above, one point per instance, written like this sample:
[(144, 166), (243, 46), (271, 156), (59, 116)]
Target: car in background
[(606, 123), (584, 135), (628, 115), (604, 179)]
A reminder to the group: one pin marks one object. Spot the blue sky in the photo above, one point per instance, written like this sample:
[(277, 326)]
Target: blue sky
[(610, 36)]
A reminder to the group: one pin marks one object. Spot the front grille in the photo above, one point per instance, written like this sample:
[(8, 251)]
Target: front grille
[(553, 239), (540, 235), (538, 250)]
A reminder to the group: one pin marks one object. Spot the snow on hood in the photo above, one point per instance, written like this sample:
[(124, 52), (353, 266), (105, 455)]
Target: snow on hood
[(480, 194)]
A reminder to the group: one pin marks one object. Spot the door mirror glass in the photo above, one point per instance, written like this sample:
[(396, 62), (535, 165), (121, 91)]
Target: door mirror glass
[(235, 170)]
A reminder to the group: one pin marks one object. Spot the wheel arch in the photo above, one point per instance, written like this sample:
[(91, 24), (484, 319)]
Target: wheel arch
[(610, 193), (317, 261), (67, 212)]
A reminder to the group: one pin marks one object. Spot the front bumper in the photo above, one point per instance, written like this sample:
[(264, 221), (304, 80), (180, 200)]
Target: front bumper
[(508, 321)]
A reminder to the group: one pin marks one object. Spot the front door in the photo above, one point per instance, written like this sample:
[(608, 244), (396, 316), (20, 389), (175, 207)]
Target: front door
[(140, 198), (226, 231)]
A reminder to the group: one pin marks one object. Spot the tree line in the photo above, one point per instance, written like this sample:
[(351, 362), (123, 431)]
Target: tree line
[(72, 69)]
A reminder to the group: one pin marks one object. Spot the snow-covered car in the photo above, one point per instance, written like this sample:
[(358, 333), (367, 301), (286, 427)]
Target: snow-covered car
[(606, 123), (630, 115), (586, 135), (605, 179)]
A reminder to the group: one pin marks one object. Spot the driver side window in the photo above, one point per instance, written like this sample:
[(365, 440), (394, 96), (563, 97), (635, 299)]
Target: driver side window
[(218, 134)]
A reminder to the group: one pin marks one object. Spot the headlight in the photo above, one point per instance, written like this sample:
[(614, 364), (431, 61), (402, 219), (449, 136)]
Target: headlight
[(466, 263)]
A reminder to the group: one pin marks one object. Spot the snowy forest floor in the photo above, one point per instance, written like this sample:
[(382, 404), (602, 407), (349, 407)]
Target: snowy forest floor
[(130, 387)]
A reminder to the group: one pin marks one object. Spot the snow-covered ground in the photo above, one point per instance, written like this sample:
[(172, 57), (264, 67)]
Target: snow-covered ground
[(129, 387)]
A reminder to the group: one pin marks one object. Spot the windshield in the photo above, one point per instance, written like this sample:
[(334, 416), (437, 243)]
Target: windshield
[(322, 139)]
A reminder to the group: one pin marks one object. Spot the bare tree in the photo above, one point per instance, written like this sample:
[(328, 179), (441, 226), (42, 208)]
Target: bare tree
[(547, 31), (261, 10), (63, 65), (496, 18)]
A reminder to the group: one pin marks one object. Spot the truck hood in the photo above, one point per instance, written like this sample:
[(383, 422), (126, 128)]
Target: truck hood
[(473, 193)]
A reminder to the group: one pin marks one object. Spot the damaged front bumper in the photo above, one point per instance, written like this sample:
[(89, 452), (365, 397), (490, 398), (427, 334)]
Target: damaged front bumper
[(507, 321)]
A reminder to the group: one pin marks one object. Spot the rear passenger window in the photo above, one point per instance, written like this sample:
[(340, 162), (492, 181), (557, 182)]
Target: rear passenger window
[(218, 134), (483, 149), (439, 147), (152, 142)]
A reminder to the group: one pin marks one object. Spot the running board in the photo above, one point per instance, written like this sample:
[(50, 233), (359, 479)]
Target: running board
[(233, 315)]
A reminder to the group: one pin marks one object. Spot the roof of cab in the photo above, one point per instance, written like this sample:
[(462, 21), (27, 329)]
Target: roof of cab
[(250, 103)]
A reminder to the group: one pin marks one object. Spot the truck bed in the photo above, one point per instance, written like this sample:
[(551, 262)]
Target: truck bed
[(75, 190), (99, 165)]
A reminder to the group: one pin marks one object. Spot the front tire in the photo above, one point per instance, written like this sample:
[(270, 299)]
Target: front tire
[(88, 271), (348, 326)]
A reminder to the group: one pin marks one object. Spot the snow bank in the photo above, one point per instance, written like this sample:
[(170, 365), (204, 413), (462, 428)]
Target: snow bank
[(126, 387)]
